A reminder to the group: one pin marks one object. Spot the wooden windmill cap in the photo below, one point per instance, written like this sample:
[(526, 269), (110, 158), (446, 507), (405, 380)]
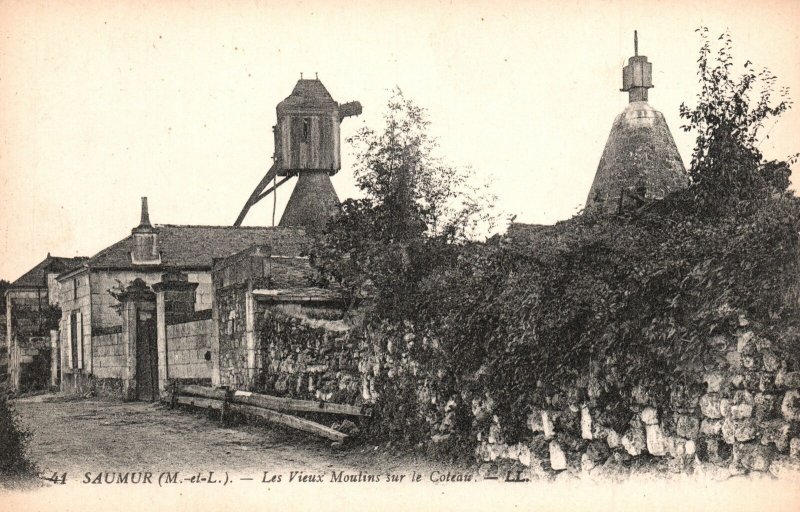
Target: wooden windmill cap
[(308, 95)]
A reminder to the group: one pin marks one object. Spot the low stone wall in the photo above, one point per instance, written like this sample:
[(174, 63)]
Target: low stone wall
[(34, 357), (79, 383), (307, 352), (736, 416), (189, 350)]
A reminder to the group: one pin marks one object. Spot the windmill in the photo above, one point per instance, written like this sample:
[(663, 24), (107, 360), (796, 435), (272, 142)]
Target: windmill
[(307, 145)]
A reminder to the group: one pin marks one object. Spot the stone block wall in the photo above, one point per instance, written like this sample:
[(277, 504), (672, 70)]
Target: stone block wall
[(189, 351), (108, 354), (104, 313), (75, 297)]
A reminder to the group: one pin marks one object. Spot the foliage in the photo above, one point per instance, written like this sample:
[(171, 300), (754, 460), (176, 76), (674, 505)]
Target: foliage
[(416, 209), (633, 301), (398, 170), (4, 285), (13, 442), (728, 117), (34, 317)]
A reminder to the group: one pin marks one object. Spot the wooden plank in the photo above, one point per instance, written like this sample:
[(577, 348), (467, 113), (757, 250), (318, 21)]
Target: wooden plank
[(203, 403), (291, 404), (256, 192), (290, 421), (204, 391)]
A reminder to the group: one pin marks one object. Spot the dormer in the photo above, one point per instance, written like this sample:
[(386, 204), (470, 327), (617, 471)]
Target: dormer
[(145, 240)]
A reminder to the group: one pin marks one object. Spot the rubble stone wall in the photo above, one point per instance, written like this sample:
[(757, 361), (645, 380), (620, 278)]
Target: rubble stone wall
[(739, 415), (232, 324), (307, 352)]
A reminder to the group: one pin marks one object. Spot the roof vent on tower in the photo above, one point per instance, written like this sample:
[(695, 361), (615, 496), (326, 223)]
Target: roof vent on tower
[(637, 76)]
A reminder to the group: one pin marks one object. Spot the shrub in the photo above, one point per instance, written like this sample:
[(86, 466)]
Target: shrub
[(13, 443)]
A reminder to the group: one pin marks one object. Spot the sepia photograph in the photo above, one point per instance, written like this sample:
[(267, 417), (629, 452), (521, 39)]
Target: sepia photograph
[(422, 255)]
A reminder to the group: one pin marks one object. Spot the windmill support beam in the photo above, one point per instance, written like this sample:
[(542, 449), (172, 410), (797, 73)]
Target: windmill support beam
[(272, 189), (258, 195)]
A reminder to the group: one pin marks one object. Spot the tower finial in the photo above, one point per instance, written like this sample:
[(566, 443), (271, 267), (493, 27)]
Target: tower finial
[(637, 76)]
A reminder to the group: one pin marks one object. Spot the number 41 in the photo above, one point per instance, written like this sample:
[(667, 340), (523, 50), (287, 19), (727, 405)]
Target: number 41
[(56, 479)]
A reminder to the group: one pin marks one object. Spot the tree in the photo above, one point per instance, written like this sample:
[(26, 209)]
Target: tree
[(416, 208), (4, 285), (397, 168), (727, 166)]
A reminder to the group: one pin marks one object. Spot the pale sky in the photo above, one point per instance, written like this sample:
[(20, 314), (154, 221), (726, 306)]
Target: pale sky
[(104, 102)]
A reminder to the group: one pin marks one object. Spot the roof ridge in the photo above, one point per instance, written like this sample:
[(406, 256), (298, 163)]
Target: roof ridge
[(225, 227)]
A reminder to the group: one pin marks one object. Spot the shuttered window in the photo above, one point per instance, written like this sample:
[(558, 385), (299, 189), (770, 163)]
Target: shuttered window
[(73, 339), (76, 340)]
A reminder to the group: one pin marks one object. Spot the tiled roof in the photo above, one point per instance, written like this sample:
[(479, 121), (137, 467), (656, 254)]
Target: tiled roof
[(37, 276), (197, 246)]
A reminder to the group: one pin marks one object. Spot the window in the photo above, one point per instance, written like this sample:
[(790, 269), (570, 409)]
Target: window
[(73, 342), (75, 288), (75, 338), (306, 128)]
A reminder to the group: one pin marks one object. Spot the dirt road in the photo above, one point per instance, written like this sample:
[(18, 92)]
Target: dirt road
[(105, 435)]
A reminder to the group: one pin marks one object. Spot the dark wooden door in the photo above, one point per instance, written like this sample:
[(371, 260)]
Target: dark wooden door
[(146, 357)]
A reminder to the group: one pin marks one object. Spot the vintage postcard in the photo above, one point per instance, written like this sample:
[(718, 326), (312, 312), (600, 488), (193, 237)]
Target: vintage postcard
[(422, 255)]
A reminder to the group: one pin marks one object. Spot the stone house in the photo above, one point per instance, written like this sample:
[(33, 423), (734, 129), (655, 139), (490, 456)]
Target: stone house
[(31, 315), (142, 313), (139, 312), (278, 333)]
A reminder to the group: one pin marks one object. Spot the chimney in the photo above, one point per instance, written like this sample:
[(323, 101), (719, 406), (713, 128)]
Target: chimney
[(145, 240)]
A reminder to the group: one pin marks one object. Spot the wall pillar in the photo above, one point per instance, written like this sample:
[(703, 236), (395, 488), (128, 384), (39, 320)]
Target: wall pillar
[(129, 344), (216, 378), (175, 298), (250, 337), (137, 296), (9, 333), (55, 358), (163, 352)]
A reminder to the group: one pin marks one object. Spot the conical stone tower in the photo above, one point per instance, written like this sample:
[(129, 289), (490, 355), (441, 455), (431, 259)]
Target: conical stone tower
[(312, 203), (640, 160)]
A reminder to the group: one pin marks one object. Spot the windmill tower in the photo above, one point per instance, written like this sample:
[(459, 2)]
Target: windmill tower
[(640, 160), (307, 145)]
